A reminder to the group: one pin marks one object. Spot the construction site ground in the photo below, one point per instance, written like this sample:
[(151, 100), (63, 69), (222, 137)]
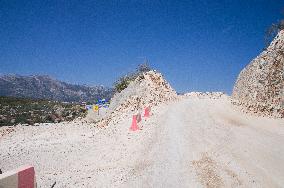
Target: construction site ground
[(187, 143)]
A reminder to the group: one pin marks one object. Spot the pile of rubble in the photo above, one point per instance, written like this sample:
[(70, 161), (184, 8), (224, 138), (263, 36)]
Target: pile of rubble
[(260, 85), (206, 95), (148, 89)]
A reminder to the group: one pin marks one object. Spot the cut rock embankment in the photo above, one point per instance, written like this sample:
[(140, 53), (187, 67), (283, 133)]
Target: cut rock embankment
[(260, 85)]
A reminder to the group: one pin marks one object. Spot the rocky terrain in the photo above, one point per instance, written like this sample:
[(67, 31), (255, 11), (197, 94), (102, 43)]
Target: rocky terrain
[(15, 111), (147, 90), (193, 140), (45, 87), (260, 85)]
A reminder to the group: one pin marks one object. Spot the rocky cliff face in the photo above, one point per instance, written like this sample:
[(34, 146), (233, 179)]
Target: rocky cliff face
[(45, 87), (260, 85)]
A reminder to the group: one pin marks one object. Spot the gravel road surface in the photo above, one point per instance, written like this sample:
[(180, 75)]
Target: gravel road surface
[(189, 143)]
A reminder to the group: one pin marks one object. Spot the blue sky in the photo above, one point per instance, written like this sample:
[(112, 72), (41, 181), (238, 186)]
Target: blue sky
[(198, 45)]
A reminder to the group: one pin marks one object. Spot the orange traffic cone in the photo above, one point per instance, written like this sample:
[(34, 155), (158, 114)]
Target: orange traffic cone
[(147, 112), (134, 126)]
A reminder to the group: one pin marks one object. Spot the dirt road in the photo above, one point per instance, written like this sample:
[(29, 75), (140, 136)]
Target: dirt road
[(205, 143), (189, 143)]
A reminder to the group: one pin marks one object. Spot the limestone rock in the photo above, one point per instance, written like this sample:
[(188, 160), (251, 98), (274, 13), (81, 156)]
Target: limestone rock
[(259, 87), (149, 89)]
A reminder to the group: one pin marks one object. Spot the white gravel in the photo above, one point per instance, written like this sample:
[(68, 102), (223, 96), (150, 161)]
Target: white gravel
[(189, 143)]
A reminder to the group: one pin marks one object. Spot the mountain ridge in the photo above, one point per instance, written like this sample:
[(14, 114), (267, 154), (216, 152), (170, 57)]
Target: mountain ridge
[(47, 87)]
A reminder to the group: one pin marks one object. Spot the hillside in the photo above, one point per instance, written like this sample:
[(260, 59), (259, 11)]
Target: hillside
[(46, 87), (30, 111)]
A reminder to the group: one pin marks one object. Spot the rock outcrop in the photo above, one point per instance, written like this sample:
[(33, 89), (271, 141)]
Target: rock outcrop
[(148, 89), (259, 87)]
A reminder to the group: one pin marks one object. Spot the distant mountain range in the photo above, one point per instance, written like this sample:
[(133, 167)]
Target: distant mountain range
[(46, 87)]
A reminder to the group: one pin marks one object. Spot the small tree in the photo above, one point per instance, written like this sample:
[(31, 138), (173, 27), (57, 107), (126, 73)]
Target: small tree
[(144, 67), (125, 80)]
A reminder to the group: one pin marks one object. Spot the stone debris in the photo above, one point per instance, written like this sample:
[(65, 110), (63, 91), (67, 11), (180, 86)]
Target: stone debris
[(206, 95), (259, 87), (148, 89), (6, 131)]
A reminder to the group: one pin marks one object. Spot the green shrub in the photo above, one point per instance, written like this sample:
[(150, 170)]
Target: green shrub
[(125, 80), (29, 111)]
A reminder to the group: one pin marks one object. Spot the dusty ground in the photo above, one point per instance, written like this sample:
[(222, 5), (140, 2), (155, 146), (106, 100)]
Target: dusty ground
[(190, 143)]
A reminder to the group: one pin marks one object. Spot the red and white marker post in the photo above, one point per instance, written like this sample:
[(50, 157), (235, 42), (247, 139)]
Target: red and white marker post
[(23, 177)]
